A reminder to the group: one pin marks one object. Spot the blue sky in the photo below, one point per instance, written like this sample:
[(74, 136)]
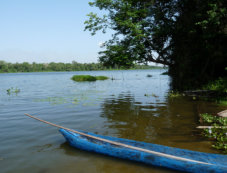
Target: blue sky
[(47, 31)]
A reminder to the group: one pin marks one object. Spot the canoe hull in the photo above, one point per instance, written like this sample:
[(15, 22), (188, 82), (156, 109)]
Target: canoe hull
[(213, 162)]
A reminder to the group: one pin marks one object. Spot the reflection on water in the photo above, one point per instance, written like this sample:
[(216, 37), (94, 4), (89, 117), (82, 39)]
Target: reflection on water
[(171, 123), (131, 119), (133, 107)]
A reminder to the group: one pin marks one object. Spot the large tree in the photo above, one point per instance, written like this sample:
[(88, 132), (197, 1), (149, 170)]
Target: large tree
[(189, 36)]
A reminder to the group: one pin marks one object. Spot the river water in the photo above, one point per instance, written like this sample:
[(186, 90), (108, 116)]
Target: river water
[(131, 106)]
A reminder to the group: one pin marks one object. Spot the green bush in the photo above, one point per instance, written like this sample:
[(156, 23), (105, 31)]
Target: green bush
[(218, 85), (81, 78)]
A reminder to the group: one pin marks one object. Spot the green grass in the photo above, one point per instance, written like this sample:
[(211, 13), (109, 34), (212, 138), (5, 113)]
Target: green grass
[(82, 78)]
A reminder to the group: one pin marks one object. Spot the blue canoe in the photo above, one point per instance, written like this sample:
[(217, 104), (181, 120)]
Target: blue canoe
[(152, 154)]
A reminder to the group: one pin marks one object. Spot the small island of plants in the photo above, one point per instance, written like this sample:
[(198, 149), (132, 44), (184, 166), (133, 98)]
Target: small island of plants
[(81, 78)]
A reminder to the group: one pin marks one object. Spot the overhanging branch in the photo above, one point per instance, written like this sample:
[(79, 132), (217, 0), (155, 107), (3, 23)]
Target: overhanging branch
[(158, 60)]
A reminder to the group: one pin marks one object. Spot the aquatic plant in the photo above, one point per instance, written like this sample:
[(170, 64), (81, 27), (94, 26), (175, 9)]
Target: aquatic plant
[(101, 78), (150, 95), (81, 78), (149, 75), (53, 100), (173, 94), (153, 95), (112, 78), (12, 90), (218, 132)]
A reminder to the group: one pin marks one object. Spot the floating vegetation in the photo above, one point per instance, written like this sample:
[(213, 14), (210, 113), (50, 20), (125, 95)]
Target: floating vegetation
[(150, 95), (12, 90), (101, 78), (174, 94), (53, 100), (75, 101), (218, 132), (149, 75), (153, 95), (82, 78), (81, 98)]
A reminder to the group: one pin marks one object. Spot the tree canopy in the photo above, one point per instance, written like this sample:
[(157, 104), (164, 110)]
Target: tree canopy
[(189, 36)]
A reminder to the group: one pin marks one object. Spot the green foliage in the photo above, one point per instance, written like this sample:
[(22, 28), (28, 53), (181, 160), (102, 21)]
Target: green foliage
[(81, 78), (12, 90), (217, 85), (214, 119), (133, 20), (174, 94), (101, 78), (74, 66), (189, 36), (222, 102), (218, 132)]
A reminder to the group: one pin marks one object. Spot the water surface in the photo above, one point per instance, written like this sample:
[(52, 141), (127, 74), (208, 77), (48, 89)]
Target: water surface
[(131, 106)]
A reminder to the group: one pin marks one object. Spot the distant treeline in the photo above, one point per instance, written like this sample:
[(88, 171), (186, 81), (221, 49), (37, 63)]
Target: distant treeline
[(6, 67)]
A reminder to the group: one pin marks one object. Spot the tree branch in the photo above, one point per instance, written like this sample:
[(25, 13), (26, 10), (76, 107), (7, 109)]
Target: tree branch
[(158, 60)]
